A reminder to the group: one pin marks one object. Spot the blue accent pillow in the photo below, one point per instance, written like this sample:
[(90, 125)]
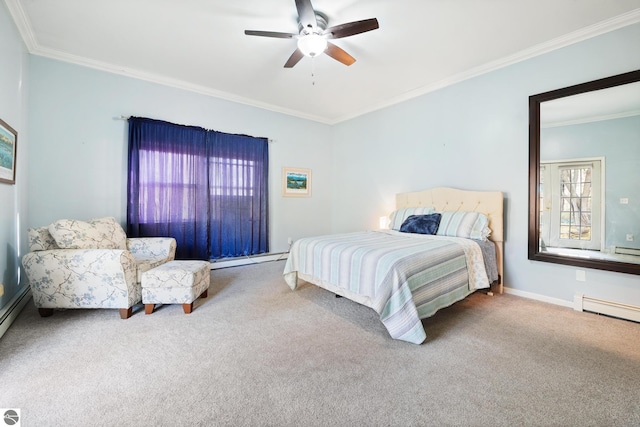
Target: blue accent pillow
[(421, 224), (398, 216)]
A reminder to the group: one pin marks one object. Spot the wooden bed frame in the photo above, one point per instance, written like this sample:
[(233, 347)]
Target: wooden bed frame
[(489, 203)]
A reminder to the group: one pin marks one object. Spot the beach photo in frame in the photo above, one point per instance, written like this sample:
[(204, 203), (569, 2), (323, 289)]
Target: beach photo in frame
[(8, 150), (296, 182)]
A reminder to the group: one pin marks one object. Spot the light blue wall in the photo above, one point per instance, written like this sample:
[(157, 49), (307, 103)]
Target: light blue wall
[(619, 142), (471, 135), (78, 160), (474, 135), (13, 198)]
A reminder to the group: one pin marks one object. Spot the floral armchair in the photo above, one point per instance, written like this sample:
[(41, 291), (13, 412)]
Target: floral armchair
[(77, 264)]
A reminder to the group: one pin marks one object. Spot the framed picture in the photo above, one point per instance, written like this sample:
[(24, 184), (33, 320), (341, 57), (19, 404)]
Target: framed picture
[(8, 146), (296, 182)]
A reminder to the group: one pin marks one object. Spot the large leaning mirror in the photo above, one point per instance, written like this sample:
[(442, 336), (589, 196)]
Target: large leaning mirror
[(584, 175)]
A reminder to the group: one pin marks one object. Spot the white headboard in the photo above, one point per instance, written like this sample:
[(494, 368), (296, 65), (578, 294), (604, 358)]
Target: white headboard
[(450, 199)]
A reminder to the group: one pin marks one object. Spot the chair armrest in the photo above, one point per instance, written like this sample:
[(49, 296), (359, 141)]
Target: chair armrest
[(75, 278), (152, 247)]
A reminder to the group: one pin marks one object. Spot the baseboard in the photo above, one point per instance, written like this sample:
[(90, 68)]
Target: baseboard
[(14, 307), (538, 297), (255, 259), (606, 307)]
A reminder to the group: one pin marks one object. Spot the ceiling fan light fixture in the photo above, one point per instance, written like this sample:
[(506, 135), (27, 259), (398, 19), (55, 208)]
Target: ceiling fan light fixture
[(313, 35), (312, 44)]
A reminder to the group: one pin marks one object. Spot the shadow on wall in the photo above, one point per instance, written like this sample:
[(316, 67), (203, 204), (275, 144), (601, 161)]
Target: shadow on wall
[(9, 277)]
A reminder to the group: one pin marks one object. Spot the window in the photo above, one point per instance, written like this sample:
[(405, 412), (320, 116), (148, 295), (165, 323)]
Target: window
[(232, 177), (157, 184), (206, 189)]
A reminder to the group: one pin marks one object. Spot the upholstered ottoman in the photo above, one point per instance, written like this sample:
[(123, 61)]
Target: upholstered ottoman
[(175, 282)]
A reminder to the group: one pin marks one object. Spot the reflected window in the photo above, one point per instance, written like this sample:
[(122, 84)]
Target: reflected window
[(575, 203)]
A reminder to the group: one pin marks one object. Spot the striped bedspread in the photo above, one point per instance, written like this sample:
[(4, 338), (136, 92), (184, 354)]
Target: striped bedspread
[(405, 277)]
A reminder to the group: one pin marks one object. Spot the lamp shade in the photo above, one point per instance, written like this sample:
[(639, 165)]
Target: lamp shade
[(312, 44), (384, 222)]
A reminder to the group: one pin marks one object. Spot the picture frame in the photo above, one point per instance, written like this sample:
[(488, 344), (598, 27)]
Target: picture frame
[(8, 151), (296, 182)]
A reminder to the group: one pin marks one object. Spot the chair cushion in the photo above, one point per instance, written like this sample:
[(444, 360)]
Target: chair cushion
[(99, 233), (177, 274)]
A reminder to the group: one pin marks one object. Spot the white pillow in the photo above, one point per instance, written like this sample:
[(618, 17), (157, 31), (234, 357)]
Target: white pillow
[(100, 233), (471, 225), (398, 216)]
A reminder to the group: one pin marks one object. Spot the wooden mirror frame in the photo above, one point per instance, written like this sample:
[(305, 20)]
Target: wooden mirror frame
[(534, 174)]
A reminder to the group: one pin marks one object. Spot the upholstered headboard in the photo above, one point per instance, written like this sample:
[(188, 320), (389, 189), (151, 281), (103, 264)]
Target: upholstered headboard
[(450, 199)]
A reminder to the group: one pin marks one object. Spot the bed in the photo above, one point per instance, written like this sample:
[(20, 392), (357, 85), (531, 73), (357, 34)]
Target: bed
[(404, 276)]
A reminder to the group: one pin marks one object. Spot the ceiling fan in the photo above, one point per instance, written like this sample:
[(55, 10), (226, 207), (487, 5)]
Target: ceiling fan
[(314, 35)]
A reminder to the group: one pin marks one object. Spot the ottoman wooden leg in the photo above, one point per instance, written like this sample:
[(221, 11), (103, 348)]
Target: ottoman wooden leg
[(125, 313), (205, 293), (148, 308), (188, 308)]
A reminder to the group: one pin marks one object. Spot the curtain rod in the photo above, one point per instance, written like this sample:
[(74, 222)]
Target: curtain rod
[(122, 117)]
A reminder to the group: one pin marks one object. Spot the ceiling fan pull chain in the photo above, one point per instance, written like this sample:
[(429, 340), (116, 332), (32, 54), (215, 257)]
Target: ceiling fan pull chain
[(313, 71)]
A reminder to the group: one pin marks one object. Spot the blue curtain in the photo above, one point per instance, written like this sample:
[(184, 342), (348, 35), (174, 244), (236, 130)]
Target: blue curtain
[(206, 189)]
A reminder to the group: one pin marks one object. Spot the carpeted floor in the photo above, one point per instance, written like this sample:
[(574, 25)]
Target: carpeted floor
[(255, 353)]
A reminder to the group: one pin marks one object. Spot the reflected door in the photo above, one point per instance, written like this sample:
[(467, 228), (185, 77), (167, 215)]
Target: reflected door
[(571, 204)]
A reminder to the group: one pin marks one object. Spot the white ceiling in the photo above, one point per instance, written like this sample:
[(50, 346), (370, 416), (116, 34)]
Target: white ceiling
[(200, 45)]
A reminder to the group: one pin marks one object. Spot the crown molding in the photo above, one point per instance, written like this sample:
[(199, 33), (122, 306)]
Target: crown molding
[(615, 116), (170, 82), (22, 22), (603, 27), (24, 27)]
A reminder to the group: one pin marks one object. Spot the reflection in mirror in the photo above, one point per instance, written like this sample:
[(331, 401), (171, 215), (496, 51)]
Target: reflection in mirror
[(585, 175)]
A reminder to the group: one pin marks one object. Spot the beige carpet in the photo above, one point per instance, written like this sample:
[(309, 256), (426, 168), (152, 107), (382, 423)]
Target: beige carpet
[(256, 353)]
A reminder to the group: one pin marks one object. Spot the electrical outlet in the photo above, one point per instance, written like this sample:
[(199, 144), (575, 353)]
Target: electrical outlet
[(289, 240), (624, 201), (581, 276), (629, 237)]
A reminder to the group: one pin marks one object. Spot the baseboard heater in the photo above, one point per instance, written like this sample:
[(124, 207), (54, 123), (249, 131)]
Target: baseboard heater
[(13, 308), (609, 308), (253, 259), (626, 251)]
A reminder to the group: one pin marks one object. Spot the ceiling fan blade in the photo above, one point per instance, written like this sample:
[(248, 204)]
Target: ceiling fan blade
[(295, 57), (351, 28), (306, 13), (338, 54), (270, 34)]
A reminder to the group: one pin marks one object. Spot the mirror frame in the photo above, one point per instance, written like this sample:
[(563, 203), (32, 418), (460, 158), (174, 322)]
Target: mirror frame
[(534, 174)]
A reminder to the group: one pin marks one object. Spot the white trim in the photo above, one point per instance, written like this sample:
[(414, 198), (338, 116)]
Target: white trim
[(239, 261), (593, 119), (582, 34), (24, 27), (22, 22), (170, 82), (538, 297), (602, 195)]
